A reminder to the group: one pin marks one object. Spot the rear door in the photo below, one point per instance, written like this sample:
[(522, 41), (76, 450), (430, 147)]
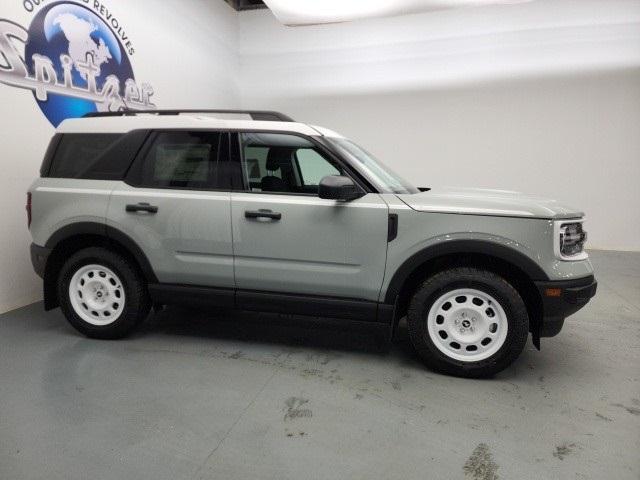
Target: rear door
[(175, 204), (287, 239)]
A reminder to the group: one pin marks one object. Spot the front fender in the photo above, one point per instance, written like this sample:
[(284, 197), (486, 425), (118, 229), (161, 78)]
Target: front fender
[(488, 245)]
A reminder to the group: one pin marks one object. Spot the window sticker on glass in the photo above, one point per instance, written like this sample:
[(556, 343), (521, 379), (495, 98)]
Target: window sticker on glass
[(182, 162)]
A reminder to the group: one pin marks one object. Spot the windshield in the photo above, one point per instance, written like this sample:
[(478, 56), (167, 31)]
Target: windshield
[(383, 178)]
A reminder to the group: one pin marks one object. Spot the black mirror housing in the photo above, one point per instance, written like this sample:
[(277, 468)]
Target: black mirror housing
[(338, 187)]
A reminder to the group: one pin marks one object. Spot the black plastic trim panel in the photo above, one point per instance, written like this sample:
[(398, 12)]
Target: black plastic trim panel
[(80, 228), (39, 257), (575, 295), (191, 296), (314, 306), (392, 227), (262, 115), (273, 302), (102, 230), (528, 266)]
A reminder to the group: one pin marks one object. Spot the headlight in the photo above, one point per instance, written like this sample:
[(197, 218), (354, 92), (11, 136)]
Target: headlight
[(569, 240)]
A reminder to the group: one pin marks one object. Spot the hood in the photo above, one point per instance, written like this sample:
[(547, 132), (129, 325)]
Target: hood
[(477, 201)]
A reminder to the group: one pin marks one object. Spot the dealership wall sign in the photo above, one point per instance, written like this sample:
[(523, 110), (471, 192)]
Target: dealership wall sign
[(76, 60)]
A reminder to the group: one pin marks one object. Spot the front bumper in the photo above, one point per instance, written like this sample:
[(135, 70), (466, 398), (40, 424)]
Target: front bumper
[(561, 299), (39, 257)]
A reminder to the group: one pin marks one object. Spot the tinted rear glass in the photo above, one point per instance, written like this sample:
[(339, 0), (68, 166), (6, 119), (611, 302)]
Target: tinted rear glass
[(78, 156)]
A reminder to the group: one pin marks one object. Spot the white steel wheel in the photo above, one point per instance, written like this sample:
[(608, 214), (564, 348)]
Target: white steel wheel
[(467, 325), (96, 294)]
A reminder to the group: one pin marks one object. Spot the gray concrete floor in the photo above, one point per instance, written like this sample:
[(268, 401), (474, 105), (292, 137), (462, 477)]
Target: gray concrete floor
[(203, 396)]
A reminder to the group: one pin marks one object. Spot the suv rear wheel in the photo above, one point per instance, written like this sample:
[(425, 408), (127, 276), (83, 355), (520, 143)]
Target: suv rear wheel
[(467, 322), (101, 295)]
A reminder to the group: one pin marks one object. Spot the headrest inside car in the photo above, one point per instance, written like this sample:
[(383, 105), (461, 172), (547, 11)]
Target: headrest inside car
[(278, 157)]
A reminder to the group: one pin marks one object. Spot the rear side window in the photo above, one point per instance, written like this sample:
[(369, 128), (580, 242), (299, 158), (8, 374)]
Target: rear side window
[(191, 160), (78, 156)]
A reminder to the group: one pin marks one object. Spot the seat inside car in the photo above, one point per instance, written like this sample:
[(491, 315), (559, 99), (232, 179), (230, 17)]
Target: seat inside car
[(278, 159)]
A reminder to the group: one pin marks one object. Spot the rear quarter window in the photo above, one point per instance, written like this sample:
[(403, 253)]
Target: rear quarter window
[(82, 155)]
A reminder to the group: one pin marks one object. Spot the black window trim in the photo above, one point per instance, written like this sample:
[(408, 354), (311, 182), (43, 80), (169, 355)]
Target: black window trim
[(361, 181), (47, 162), (297, 167), (147, 134), (148, 144)]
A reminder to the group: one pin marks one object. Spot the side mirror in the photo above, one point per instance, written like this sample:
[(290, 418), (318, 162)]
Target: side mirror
[(338, 187)]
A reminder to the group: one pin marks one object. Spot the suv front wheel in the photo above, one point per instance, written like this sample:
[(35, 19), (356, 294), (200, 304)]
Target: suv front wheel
[(101, 294), (467, 322)]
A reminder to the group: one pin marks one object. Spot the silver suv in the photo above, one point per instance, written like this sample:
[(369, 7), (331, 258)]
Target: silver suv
[(253, 211)]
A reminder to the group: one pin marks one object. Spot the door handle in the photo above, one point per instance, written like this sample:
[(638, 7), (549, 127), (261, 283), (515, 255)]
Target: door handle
[(141, 207), (262, 213)]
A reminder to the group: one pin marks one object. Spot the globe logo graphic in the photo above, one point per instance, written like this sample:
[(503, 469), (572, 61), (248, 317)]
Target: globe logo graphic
[(77, 32)]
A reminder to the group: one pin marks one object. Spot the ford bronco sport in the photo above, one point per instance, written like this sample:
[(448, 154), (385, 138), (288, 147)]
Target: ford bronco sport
[(257, 212)]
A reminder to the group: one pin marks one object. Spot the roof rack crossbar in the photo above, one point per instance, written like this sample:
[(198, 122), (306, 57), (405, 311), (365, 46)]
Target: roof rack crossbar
[(265, 115)]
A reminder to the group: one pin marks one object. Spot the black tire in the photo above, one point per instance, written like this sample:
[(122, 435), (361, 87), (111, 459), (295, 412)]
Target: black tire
[(466, 277), (136, 297)]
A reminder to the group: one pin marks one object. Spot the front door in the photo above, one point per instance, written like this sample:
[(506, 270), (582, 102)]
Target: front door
[(286, 239), (176, 204)]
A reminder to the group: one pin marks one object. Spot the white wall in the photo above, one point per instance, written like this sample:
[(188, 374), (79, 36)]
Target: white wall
[(542, 97), (184, 48)]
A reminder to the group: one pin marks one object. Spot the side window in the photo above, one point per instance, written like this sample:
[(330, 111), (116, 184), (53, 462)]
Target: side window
[(188, 160), (313, 167), (283, 163), (256, 161), (77, 154)]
